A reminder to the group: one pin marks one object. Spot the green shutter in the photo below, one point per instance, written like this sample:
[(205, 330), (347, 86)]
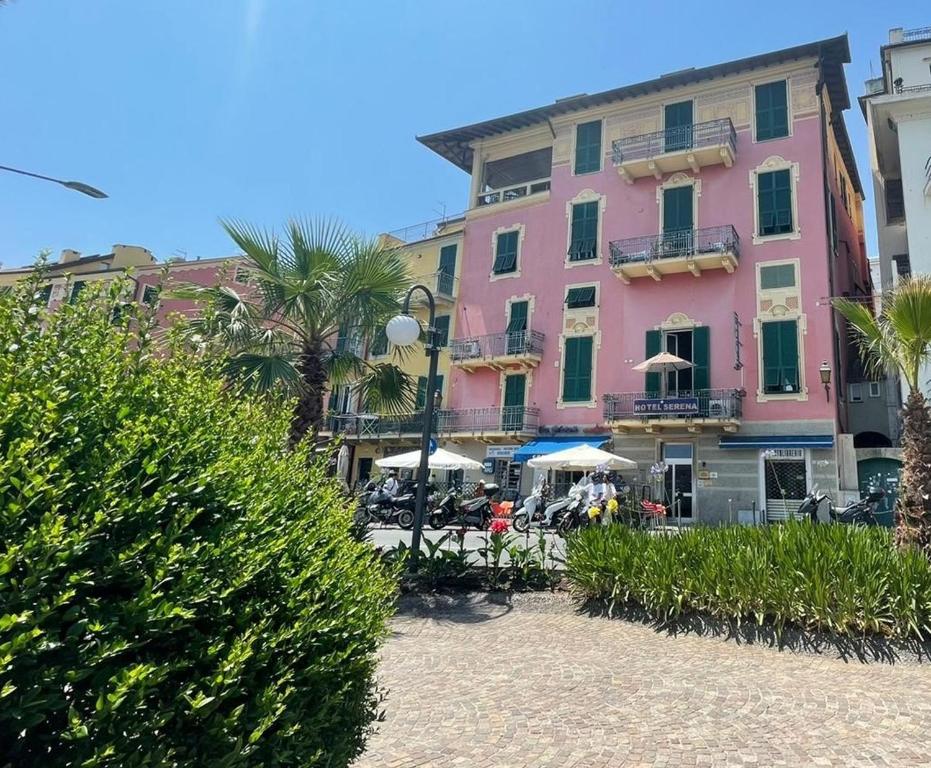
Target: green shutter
[(774, 192), (584, 239), (772, 111), (441, 334), (588, 147), (654, 341), (579, 298), (677, 209), (678, 126), (701, 373), (506, 253), (780, 357), (777, 276), (512, 417), (447, 269), (76, 288), (833, 224), (517, 322), (421, 393), (577, 370)]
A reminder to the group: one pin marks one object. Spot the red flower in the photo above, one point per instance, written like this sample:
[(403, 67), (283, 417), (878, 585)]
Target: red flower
[(499, 526)]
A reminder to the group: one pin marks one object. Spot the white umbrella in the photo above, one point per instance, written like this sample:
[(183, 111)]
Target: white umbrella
[(663, 363), (342, 464), (581, 457), (439, 459)]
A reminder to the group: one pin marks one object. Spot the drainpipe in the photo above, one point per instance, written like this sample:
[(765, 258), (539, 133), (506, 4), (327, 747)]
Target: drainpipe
[(826, 192)]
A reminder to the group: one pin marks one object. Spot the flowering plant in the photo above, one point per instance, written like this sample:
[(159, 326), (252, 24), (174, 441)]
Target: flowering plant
[(499, 526)]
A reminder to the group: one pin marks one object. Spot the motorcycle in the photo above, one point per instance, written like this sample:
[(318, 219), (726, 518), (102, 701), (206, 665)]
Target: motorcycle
[(476, 512), (530, 510), (566, 514), (862, 512), (378, 506)]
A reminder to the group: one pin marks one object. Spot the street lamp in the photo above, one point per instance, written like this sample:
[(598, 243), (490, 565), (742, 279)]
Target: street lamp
[(403, 330), (825, 372), (77, 186)]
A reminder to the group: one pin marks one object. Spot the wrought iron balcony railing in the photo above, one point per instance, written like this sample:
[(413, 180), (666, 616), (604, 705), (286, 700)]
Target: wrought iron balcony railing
[(512, 418), (685, 137), (443, 285), (497, 345), (725, 404), (675, 244), (512, 193)]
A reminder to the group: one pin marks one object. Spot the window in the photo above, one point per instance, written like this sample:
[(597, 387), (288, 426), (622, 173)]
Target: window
[(577, 298), (583, 244), (856, 393), (516, 338), (588, 147), (844, 195), (446, 278), (422, 390), (45, 295), (772, 111), (506, 252), (895, 202), (441, 336), (577, 370), (774, 193), (76, 288), (777, 276), (242, 275), (678, 126), (833, 211), (150, 295), (875, 389), (379, 345), (780, 357)]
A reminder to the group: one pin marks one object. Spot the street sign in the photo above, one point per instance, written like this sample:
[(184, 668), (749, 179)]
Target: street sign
[(433, 446)]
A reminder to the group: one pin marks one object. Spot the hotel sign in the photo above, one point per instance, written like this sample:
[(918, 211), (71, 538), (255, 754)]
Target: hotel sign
[(666, 406)]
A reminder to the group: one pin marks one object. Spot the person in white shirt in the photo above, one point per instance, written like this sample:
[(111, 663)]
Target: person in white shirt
[(391, 485)]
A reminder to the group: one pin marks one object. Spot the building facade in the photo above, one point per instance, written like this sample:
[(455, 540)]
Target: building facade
[(711, 213), (897, 110)]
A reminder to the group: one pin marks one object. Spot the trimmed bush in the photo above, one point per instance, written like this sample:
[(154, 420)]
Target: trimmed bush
[(844, 579), (176, 588)]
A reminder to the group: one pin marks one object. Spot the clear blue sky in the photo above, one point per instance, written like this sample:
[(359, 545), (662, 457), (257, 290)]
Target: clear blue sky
[(185, 111)]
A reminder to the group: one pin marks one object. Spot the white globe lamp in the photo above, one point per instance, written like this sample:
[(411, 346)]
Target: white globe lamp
[(403, 330)]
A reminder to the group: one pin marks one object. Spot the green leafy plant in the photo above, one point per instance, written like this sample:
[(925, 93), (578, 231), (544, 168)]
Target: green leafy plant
[(175, 587), (843, 579)]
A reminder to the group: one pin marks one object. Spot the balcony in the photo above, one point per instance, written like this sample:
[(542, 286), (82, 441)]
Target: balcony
[(676, 149), (482, 423), (518, 349), (687, 250), (681, 411), (512, 193), (442, 285)]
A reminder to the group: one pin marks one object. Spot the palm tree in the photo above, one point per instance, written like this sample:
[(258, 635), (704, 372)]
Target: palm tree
[(315, 297), (899, 341)]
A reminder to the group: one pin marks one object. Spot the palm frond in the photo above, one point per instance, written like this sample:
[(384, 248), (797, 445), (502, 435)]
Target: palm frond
[(372, 284), (265, 372), (385, 388)]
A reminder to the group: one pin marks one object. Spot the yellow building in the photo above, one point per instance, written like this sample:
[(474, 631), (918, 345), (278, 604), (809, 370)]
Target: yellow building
[(81, 270), (433, 254)]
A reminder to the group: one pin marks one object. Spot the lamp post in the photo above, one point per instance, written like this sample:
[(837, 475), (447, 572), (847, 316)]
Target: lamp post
[(825, 372), (77, 186), (404, 330)]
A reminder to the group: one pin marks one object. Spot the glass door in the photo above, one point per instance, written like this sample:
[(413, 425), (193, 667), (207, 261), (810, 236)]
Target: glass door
[(678, 480), (679, 343)]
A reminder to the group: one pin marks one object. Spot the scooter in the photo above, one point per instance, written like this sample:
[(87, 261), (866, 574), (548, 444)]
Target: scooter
[(379, 506), (476, 513), (530, 510), (862, 512), (566, 514)]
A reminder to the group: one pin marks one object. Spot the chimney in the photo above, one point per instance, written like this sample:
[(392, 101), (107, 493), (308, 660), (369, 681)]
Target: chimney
[(896, 35), (69, 255)]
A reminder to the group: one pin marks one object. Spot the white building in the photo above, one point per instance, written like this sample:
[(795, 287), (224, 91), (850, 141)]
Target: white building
[(897, 109)]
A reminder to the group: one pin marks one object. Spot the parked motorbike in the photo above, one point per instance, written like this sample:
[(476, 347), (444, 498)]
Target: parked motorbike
[(570, 512), (378, 506), (475, 513), (530, 510), (862, 512)]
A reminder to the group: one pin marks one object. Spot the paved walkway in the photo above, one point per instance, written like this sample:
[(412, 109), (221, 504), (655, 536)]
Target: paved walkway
[(486, 685)]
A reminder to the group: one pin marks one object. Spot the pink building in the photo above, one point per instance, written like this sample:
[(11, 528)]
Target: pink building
[(710, 213)]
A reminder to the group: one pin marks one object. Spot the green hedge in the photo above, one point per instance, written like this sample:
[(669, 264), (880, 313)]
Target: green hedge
[(175, 588), (828, 577)]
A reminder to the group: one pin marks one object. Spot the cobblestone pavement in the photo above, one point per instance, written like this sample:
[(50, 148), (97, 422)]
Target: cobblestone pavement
[(497, 686)]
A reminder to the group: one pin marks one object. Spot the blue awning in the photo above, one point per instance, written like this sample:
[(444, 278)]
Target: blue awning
[(746, 442), (547, 445)]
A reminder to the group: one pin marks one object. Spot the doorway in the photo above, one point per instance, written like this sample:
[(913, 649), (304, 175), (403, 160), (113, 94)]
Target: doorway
[(512, 414), (679, 479), (681, 344), (785, 481)]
